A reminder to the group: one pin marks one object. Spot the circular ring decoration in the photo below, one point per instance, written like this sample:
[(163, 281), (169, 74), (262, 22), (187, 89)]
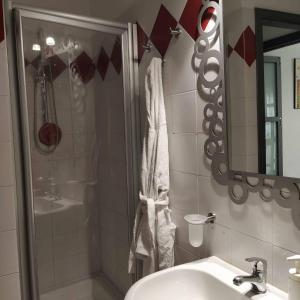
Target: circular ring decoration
[(283, 190), (204, 63), (217, 12)]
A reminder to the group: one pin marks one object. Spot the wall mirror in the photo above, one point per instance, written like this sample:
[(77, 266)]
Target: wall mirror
[(262, 80), (255, 100)]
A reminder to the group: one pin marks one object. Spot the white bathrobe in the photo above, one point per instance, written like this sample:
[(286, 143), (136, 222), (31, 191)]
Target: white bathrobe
[(154, 232)]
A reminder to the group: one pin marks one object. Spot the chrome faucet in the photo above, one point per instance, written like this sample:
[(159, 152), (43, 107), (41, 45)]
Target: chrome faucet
[(258, 278)]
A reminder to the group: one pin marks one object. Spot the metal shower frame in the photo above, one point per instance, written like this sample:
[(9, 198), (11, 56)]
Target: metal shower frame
[(25, 213)]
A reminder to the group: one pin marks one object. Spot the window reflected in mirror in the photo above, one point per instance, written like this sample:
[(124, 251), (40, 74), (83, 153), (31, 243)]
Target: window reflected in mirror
[(262, 76)]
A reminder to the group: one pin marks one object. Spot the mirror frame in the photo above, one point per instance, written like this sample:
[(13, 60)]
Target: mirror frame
[(283, 190)]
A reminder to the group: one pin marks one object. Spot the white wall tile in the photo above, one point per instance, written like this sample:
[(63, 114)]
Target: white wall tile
[(184, 105), (183, 155), (281, 267), (5, 120), (184, 191), (7, 167), (244, 246), (182, 256), (218, 242), (285, 234), (7, 209), (204, 164), (178, 74), (10, 287), (200, 104), (175, 7), (8, 252), (4, 86), (254, 218)]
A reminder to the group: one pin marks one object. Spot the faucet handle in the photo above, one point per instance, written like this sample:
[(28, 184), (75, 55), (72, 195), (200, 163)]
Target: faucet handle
[(256, 261)]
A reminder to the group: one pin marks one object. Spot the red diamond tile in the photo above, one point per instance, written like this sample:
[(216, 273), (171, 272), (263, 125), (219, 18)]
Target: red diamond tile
[(142, 40), (57, 66), (160, 35), (1, 23), (229, 50), (189, 17), (84, 66), (250, 46), (240, 46), (102, 64), (116, 55)]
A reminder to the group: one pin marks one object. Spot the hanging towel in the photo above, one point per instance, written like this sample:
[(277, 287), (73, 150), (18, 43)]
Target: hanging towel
[(154, 232)]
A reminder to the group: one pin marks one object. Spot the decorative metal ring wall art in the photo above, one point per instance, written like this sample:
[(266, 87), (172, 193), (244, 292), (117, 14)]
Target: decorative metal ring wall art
[(208, 52)]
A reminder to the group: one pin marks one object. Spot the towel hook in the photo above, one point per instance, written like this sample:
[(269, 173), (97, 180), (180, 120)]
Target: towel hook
[(148, 47), (175, 32)]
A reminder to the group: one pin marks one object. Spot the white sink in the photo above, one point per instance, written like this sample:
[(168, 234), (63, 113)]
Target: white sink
[(205, 279)]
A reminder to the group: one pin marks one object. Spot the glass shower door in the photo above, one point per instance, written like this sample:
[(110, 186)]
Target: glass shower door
[(77, 149)]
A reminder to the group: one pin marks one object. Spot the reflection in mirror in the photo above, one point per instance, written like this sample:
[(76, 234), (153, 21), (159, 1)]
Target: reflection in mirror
[(262, 60)]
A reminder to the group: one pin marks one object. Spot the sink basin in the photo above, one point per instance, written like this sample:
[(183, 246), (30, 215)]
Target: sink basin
[(205, 279)]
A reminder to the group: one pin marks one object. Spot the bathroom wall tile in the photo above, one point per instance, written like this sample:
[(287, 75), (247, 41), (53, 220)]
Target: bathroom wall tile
[(244, 246), (145, 13), (66, 269), (122, 276), (182, 256), (7, 209), (203, 168), (184, 191), (281, 267), (66, 245), (44, 250), (250, 81), (286, 233), (252, 163), (5, 120), (242, 218), (64, 120), (7, 167), (65, 149), (64, 171), (252, 140), (168, 108), (43, 226), (184, 105), (237, 112), (10, 287), (4, 85), (239, 140), (8, 252), (218, 242), (214, 198), (62, 91), (200, 104), (41, 172), (251, 111), (178, 73), (65, 221), (237, 83), (175, 7), (183, 156), (84, 144), (46, 276)]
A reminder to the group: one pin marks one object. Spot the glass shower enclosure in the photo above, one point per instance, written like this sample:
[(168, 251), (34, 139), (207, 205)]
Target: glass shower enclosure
[(77, 113)]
